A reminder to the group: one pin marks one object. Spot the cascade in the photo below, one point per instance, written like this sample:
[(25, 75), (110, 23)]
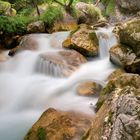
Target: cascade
[(25, 93)]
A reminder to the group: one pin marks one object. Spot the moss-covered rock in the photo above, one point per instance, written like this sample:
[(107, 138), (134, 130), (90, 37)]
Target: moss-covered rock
[(88, 13), (122, 81), (129, 34), (59, 125), (118, 117), (83, 40), (6, 9)]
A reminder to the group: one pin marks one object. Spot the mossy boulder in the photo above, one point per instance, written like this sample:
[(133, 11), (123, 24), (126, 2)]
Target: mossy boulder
[(122, 81), (88, 13), (59, 125), (83, 40), (124, 56), (118, 117), (6, 9), (129, 34)]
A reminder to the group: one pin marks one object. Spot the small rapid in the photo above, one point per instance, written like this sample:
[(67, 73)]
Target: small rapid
[(27, 89)]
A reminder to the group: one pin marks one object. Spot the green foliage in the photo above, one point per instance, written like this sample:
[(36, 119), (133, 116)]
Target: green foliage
[(110, 7), (13, 25), (26, 11), (52, 14)]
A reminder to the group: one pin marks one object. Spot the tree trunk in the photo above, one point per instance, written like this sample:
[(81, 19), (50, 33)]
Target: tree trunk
[(36, 6)]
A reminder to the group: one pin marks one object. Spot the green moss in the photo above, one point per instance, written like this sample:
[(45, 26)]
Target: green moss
[(74, 31), (110, 115), (41, 134), (104, 94)]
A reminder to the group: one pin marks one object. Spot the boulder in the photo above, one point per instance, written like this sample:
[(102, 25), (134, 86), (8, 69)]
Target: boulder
[(88, 88), (129, 34), (129, 5), (118, 116), (59, 125), (27, 42), (6, 9), (83, 40), (60, 63), (36, 27), (124, 56), (88, 13)]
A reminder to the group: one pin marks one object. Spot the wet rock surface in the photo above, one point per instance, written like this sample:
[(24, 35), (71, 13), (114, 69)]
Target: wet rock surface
[(83, 40), (59, 125), (60, 63), (88, 88)]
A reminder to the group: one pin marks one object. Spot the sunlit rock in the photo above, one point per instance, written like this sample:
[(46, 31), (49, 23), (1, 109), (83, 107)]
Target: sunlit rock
[(88, 88), (118, 117), (59, 125), (60, 63), (124, 56), (83, 40)]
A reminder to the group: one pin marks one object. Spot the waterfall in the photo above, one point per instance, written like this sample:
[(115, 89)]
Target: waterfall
[(29, 85), (106, 40)]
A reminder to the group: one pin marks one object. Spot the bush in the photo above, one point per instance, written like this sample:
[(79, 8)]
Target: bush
[(13, 25), (52, 14)]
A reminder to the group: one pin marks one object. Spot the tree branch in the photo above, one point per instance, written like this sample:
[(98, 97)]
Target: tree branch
[(59, 2)]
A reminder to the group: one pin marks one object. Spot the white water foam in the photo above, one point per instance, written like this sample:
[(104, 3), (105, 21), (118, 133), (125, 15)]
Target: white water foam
[(25, 94)]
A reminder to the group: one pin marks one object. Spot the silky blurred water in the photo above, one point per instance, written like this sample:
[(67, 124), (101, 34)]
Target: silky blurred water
[(25, 93)]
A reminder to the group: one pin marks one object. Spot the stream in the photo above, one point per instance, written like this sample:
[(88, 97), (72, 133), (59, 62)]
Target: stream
[(27, 89)]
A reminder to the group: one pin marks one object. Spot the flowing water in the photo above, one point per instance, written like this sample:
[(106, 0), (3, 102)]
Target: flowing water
[(25, 93)]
